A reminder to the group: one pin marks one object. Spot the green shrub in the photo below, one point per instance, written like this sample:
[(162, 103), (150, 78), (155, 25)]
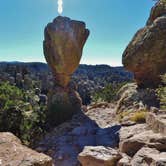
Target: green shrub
[(108, 93), (20, 113)]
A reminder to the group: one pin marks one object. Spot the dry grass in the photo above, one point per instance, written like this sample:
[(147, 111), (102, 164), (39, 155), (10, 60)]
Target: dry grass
[(139, 117)]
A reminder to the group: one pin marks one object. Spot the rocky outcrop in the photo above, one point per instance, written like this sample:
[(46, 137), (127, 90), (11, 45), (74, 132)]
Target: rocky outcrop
[(147, 138), (63, 45), (13, 153), (99, 156), (130, 131), (157, 122), (62, 104), (132, 98), (145, 55), (149, 156)]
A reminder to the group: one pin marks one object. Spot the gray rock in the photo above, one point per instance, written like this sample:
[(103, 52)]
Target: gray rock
[(149, 157), (13, 153), (99, 156), (157, 122)]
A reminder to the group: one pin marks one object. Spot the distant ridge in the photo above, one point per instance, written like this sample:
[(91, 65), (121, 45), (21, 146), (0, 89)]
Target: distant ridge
[(116, 74)]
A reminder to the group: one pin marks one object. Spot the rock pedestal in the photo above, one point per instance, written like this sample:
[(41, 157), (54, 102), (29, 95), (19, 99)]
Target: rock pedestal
[(63, 45), (62, 104)]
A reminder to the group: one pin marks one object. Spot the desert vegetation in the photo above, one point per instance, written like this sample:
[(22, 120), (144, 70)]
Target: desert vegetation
[(21, 113)]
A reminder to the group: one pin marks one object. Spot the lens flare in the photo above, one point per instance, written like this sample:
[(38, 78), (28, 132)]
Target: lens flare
[(60, 6)]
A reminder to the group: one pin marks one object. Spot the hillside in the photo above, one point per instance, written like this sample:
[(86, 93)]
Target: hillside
[(88, 78)]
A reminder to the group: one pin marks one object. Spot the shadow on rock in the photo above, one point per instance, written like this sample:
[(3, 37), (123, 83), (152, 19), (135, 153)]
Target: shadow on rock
[(67, 140)]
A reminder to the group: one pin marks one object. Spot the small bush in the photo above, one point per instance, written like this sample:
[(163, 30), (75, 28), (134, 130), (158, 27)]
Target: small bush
[(108, 93), (139, 117)]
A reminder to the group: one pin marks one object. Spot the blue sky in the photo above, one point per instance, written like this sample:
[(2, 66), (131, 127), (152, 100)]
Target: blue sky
[(112, 24)]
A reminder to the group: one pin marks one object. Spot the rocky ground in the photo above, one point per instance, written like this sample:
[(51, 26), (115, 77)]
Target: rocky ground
[(13, 153), (95, 138), (92, 128)]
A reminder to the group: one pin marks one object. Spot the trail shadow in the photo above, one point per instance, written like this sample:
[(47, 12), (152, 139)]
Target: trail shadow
[(77, 133)]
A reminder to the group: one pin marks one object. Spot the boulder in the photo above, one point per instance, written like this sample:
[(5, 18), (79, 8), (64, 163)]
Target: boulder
[(63, 45), (124, 161), (145, 55), (128, 132), (131, 98), (13, 153), (99, 156), (149, 156), (147, 138), (157, 122)]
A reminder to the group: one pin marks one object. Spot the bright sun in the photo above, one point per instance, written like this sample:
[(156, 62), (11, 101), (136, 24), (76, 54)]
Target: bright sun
[(60, 6)]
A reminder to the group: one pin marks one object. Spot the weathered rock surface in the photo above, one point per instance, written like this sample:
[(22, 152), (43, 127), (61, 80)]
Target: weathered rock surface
[(147, 138), (124, 161), (132, 98), (157, 122), (62, 105), (149, 156), (130, 131), (145, 55), (99, 156), (63, 45), (13, 153)]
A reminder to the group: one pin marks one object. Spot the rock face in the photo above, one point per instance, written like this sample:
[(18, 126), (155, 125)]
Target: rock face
[(62, 104), (130, 97), (157, 122), (63, 45), (145, 55), (149, 156), (99, 156), (153, 140), (13, 153)]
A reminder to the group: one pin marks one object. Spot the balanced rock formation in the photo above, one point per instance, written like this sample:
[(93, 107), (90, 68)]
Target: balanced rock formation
[(13, 153), (145, 55), (63, 45)]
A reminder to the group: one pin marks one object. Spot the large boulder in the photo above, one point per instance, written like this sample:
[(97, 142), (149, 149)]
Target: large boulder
[(99, 156), (13, 153), (145, 55), (63, 45)]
